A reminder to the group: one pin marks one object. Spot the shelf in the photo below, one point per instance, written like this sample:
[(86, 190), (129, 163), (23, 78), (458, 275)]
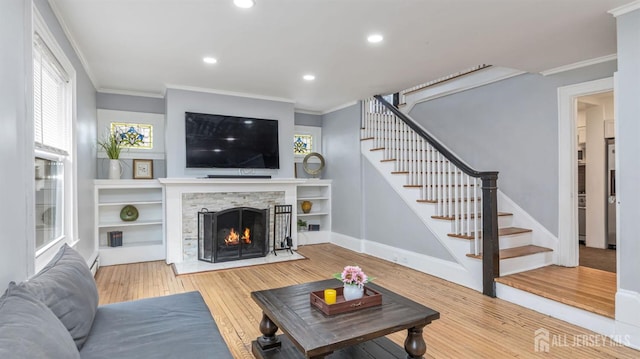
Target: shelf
[(134, 244), (312, 214), (135, 203), (129, 224), (312, 198)]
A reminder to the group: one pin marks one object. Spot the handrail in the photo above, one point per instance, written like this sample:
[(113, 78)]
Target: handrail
[(490, 243)]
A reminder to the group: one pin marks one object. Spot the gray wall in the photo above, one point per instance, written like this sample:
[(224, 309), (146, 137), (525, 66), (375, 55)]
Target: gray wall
[(510, 126), (341, 147), (16, 141), (389, 220), (627, 146), (180, 101), (85, 135), (306, 119), (109, 101)]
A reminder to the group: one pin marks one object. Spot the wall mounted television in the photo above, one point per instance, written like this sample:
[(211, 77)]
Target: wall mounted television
[(222, 141)]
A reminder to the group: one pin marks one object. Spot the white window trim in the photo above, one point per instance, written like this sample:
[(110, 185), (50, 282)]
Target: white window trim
[(44, 254), (316, 135)]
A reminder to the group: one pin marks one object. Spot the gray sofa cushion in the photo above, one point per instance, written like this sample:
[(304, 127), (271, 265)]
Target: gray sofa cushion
[(174, 326), (67, 287), (28, 329)]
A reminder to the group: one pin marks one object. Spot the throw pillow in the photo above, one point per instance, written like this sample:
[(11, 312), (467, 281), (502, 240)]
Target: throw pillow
[(67, 287), (28, 329)]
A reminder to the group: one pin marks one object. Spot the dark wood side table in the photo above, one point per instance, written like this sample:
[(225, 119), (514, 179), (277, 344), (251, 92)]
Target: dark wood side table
[(308, 333)]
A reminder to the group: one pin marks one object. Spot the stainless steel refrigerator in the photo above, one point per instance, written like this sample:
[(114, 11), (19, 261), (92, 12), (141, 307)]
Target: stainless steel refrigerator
[(611, 193)]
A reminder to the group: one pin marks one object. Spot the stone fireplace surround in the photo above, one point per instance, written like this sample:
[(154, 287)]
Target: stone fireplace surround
[(184, 197)]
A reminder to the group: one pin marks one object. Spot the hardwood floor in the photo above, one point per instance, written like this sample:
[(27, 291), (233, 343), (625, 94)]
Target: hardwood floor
[(471, 325)]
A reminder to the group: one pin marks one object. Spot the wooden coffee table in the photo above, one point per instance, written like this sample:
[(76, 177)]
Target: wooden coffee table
[(308, 333)]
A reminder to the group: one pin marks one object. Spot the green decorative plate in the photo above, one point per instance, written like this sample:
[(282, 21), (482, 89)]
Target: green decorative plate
[(129, 213)]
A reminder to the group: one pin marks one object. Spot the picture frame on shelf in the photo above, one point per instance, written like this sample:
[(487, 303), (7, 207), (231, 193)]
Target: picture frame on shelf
[(314, 227), (142, 169)]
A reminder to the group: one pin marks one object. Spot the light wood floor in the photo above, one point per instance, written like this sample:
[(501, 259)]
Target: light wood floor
[(582, 287), (471, 325)]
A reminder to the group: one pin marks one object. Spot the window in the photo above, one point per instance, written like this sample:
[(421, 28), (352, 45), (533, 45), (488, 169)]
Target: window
[(136, 135), (306, 139), (53, 140), (302, 144)]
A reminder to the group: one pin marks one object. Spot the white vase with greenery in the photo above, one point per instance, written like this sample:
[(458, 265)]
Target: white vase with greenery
[(111, 145)]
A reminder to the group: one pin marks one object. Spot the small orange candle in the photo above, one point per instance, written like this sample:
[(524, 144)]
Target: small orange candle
[(330, 296)]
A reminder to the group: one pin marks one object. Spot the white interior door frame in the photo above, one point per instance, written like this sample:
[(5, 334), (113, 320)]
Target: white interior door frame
[(567, 169)]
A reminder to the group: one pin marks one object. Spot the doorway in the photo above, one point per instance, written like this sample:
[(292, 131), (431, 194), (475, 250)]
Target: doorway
[(595, 126), (568, 145)]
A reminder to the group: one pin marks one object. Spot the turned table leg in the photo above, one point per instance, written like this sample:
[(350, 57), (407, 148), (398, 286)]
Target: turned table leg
[(268, 340), (414, 345)]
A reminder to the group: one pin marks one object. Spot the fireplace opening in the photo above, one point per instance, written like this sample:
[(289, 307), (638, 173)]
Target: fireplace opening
[(232, 234)]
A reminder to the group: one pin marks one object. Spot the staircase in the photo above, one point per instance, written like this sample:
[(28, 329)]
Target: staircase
[(456, 203)]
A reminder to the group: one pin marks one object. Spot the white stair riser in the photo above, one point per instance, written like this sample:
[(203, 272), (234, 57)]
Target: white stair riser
[(503, 221), (515, 240), (525, 263)]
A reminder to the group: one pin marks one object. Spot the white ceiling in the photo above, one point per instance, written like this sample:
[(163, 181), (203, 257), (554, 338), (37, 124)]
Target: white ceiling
[(144, 46)]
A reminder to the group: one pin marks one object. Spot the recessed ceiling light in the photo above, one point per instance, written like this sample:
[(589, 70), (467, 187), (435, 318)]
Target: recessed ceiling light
[(375, 38), (209, 60), (309, 77), (245, 4)]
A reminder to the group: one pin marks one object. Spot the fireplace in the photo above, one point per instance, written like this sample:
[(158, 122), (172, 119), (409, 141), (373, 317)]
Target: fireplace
[(232, 234)]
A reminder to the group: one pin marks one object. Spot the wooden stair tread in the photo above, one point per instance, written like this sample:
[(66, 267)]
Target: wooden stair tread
[(432, 201), (517, 252), (451, 218), (440, 185), (505, 231)]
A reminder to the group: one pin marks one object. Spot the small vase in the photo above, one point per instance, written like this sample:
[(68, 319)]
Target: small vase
[(352, 291), (115, 169), (306, 206)]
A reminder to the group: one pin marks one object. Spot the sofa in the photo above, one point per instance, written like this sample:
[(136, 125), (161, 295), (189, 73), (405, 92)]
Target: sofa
[(55, 314)]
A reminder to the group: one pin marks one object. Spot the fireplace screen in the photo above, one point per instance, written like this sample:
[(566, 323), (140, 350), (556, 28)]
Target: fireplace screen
[(232, 234)]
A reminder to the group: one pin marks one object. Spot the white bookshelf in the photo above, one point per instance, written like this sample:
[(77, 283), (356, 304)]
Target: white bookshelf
[(318, 192), (142, 239)]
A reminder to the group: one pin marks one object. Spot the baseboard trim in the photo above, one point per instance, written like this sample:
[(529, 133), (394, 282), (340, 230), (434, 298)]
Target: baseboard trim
[(628, 317), (450, 271)]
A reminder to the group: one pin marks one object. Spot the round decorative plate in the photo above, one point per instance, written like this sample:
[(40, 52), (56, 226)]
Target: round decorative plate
[(129, 213)]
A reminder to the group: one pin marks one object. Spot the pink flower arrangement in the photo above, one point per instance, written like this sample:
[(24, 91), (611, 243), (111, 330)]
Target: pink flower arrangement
[(352, 275)]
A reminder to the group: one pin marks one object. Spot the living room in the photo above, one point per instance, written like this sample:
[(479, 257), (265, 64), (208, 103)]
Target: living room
[(358, 192)]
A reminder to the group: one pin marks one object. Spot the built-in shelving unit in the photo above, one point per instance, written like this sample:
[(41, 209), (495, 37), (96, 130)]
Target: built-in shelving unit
[(318, 192), (142, 239)]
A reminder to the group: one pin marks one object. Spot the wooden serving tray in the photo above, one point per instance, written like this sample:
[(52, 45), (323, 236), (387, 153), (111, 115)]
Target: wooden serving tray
[(371, 298)]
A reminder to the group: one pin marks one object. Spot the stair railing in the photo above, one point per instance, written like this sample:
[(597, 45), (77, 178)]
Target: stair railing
[(443, 179)]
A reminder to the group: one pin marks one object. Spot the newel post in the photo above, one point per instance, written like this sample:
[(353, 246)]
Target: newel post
[(490, 243)]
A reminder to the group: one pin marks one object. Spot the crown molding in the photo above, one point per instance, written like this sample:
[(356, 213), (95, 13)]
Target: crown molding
[(307, 112), (227, 93), (624, 9), (580, 64), (72, 41), (131, 93), (348, 104)]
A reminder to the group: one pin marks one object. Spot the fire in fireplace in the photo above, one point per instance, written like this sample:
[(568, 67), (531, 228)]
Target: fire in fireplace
[(232, 234)]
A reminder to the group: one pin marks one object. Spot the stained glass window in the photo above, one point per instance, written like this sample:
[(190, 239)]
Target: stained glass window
[(137, 135), (302, 144)]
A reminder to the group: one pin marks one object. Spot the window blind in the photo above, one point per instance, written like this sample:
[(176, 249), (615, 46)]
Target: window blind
[(50, 102)]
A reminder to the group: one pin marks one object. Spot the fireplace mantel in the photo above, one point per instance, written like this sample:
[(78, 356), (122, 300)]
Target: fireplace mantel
[(174, 188)]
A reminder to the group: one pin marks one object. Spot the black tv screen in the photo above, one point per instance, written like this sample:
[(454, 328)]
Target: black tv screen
[(221, 141)]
